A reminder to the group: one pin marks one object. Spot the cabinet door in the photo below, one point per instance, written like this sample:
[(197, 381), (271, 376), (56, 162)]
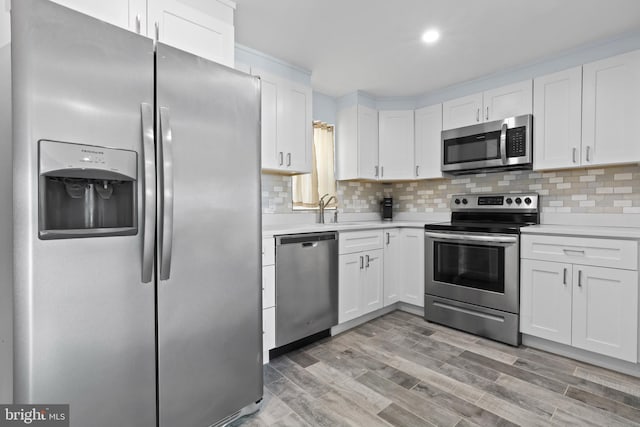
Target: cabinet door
[(271, 158), (396, 144), (129, 14), (557, 108), (413, 266), (296, 141), (611, 107), (605, 311), (347, 143), (393, 266), (428, 143), (350, 286), (508, 101), (372, 298), (268, 328), (463, 111), (367, 143), (545, 300), (195, 29)]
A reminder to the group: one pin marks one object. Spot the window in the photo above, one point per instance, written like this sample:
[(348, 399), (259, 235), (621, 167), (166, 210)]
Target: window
[(309, 188)]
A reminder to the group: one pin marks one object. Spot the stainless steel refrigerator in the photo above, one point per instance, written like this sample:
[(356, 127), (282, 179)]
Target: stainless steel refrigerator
[(136, 225)]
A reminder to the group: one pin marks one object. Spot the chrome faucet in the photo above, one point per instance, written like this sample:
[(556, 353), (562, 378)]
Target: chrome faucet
[(323, 204)]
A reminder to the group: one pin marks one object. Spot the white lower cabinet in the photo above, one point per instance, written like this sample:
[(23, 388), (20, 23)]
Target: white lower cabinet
[(360, 280), (360, 274), (590, 307), (393, 271), (268, 297), (379, 268), (412, 266), (545, 295), (605, 311)]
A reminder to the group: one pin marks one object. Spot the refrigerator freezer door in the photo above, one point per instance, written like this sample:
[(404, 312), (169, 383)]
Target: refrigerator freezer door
[(209, 310), (84, 321)]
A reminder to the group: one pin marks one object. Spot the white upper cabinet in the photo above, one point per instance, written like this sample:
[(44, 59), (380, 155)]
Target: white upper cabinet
[(286, 124), (508, 101), (204, 28), (129, 14), (461, 112), (495, 104), (297, 127), (396, 145), (357, 143), (557, 112), (610, 110), (428, 145)]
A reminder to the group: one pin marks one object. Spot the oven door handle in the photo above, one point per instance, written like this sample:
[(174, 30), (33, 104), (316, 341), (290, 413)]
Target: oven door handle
[(469, 238)]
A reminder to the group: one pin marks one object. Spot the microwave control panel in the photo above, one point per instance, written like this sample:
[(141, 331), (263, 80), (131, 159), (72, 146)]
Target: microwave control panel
[(516, 142)]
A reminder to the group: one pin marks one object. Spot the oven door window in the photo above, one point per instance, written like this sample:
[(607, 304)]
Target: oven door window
[(473, 266)]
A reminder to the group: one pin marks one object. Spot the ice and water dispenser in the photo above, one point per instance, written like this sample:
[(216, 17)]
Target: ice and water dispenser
[(86, 191)]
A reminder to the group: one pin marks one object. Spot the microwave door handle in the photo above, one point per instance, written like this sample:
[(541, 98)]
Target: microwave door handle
[(465, 238), (149, 207), (166, 194), (503, 143)]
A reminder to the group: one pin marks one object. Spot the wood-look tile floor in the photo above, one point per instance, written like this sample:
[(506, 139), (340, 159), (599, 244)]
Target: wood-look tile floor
[(399, 370)]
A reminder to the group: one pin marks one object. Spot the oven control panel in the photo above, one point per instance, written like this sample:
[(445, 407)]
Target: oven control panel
[(506, 201)]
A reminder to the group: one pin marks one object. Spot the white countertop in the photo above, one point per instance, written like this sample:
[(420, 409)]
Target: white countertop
[(584, 231), (274, 230)]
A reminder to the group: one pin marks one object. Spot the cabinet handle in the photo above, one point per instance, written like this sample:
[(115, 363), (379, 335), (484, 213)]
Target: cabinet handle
[(288, 159), (281, 154), (388, 238), (478, 115), (367, 261), (579, 278), (588, 152), (417, 170), (487, 116), (564, 278), (361, 262), (157, 31), (575, 151), (381, 171), (138, 24), (376, 173)]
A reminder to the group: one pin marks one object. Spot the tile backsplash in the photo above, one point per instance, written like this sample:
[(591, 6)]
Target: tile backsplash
[(614, 189)]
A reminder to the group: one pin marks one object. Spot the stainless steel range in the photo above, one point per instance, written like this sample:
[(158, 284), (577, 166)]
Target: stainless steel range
[(472, 264)]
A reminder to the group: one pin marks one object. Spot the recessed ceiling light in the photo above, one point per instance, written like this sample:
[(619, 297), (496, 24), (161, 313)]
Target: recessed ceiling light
[(430, 36)]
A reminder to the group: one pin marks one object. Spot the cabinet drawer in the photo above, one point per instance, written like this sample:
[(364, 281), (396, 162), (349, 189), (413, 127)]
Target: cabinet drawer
[(586, 251), (268, 252), (268, 286), (268, 328), (357, 241)]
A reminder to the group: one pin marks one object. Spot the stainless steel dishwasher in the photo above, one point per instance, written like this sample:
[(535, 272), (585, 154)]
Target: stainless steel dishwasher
[(306, 285)]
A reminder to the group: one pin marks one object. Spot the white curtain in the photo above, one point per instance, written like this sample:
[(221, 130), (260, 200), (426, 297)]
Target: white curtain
[(308, 188)]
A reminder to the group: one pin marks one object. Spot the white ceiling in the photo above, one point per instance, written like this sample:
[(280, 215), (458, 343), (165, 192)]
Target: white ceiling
[(374, 45)]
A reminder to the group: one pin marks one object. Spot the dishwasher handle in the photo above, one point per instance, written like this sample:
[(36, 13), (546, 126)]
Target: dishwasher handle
[(309, 244), (305, 238)]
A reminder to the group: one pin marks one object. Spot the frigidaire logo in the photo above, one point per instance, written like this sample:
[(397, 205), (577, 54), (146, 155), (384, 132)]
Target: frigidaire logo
[(84, 150), (35, 415)]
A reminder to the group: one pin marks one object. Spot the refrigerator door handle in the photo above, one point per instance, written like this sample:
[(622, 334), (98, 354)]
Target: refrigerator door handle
[(149, 161), (166, 195)]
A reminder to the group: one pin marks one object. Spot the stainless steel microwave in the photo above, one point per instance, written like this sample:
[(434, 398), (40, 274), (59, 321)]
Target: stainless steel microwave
[(489, 147)]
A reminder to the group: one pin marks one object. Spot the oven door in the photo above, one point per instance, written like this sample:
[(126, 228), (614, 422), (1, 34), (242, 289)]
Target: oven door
[(476, 268)]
